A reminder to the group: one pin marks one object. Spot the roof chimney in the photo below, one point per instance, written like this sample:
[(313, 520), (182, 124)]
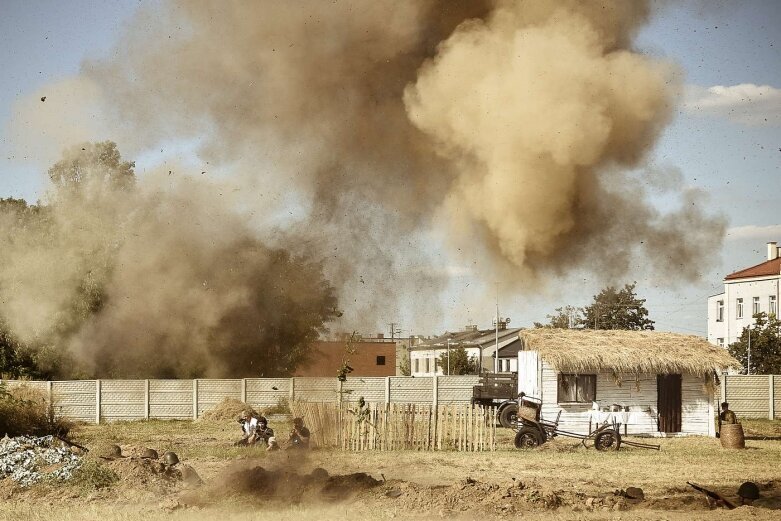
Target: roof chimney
[(772, 250)]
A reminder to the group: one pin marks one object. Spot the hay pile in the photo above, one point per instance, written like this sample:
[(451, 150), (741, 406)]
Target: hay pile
[(227, 409)]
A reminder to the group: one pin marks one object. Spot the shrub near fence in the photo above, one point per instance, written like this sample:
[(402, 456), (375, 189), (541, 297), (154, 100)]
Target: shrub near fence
[(396, 426)]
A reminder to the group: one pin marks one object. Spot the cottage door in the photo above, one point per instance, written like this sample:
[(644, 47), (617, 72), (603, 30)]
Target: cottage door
[(669, 402)]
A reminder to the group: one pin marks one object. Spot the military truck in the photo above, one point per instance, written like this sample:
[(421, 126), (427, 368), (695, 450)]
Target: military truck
[(498, 390)]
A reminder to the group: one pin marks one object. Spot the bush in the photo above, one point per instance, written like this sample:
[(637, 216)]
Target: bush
[(24, 411), (91, 475)]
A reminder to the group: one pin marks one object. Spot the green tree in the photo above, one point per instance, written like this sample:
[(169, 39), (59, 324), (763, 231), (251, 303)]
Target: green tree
[(765, 345), (93, 164), (617, 309), (460, 362), (567, 317)]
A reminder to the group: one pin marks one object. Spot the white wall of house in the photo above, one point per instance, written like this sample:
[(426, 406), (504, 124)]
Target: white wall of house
[(697, 413), (726, 328), (423, 362)]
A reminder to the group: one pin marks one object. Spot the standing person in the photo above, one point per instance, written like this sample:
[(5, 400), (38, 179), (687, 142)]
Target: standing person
[(249, 425), (264, 433), (299, 437), (726, 416)]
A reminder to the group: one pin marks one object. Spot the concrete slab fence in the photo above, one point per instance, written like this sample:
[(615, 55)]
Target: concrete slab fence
[(98, 401)]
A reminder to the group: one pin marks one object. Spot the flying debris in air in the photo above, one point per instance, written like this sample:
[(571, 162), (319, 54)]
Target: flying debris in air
[(43, 98)]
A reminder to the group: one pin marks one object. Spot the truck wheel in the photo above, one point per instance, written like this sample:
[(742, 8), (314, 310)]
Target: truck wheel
[(508, 416), (527, 438)]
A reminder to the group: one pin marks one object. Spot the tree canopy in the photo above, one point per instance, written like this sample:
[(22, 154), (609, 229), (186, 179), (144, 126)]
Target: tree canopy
[(617, 309), (765, 345), (611, 308), (460, 362)]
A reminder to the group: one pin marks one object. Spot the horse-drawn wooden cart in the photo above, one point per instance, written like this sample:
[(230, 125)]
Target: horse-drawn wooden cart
[(532, 430)]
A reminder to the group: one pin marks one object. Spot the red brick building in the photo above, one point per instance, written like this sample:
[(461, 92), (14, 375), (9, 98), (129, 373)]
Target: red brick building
[(369, 359)]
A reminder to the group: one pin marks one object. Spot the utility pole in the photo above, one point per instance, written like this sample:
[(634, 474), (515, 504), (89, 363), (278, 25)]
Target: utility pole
[(448, 357), (496, 325), (748, 364)]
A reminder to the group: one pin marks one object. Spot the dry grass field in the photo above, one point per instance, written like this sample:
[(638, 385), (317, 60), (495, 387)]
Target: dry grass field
[(560, 480)]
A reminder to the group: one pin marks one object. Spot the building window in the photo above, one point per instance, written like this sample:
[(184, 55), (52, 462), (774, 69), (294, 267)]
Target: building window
[(755, 306), (772, 308), (417, 365), (380, 360), (739, 308), (428, 365), (720, 342), (577, 388), (720, 311)]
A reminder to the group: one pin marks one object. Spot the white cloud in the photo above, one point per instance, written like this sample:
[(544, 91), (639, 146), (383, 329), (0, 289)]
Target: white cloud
[(770, 232), (746, 103)]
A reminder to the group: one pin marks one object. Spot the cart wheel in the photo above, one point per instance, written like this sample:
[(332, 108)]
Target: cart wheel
[(607, 440), (508, 416), (527, 438)]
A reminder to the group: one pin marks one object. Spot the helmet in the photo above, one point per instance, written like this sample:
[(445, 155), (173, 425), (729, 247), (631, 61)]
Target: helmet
[(263, 420), (149, 454), (749, 490), (170, 458), (298, 421), (111, 452)]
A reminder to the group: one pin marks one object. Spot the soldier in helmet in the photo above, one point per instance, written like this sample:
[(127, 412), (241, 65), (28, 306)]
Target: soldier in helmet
[(299, 437), (170, 460), (726, 416)]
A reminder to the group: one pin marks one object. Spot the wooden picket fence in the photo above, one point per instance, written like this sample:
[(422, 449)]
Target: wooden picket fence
[(399, 426)]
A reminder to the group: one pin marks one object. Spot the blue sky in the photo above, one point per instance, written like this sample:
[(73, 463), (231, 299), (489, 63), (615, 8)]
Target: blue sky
[(721, 144)]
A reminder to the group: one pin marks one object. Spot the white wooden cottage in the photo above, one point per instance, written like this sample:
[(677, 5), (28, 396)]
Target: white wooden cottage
[(664, 383)]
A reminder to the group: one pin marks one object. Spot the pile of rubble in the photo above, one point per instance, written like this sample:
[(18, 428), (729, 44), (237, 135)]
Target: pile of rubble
[(27, 459)]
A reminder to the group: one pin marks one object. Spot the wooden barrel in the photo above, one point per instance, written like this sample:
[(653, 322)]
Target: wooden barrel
[(732, 436)]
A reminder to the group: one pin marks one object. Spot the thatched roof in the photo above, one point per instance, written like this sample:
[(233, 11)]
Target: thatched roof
[(578, 351)]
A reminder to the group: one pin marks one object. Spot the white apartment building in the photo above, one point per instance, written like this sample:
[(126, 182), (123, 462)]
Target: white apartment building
[(746, 292)]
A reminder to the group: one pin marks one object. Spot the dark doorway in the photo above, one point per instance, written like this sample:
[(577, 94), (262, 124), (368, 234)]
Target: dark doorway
[(669, 402)]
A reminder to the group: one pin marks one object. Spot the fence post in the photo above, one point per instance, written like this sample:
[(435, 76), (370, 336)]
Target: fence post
[(292, 391), (195, 399), (387, 390), (49, 393), (339, 389), (435, 408), (244, 390), (97, 401), (771, 392), (146, 399), (723, 389)]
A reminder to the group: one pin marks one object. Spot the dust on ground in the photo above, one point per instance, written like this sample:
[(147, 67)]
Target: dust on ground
[(563, 480)]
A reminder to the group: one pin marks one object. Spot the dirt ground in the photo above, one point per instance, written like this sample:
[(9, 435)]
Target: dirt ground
[(560, 480)]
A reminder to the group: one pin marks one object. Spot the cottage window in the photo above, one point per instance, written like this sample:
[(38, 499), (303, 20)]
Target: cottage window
[(739, 308), (772, 308), (577, 388), (720, 311), (417, 365), (755, 305), (428, 365), (720, 342), (380, 360)]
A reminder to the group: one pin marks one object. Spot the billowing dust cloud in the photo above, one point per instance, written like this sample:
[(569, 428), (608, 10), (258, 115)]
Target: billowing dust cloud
[(362, 133)]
